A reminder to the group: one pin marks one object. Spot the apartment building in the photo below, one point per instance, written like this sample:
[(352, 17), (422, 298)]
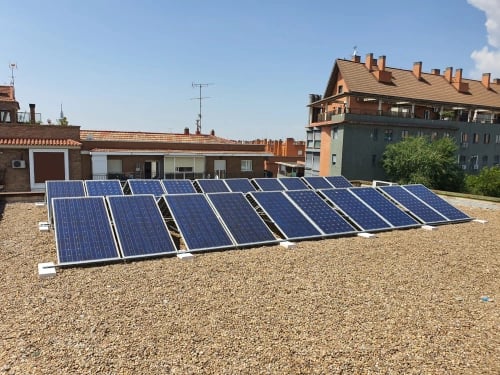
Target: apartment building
[(368, 105)]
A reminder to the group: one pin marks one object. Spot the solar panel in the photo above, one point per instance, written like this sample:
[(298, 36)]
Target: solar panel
[(139, 226), (360, 213), (377, 201), (415, 206), (143, 186), (317, 182), (325, 217), (243, 222), (290, 221), (242, 185), (198, 224), (293, 183), (178, 186), (62, 189), (83, 231), (212, 185), (438, 203), (102, 188), (339, 181), (268, 184)]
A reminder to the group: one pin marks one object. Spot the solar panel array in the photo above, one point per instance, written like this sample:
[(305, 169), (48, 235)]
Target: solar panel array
[(316, 182), (338, 181), (98, 221)]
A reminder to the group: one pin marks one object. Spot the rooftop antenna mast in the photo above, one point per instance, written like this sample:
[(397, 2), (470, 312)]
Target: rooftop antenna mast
[(12, 66), (200, 98)]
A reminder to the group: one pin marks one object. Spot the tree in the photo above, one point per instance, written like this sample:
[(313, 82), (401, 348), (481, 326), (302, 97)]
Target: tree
[(487, 182), (417, 160), (63, 121)]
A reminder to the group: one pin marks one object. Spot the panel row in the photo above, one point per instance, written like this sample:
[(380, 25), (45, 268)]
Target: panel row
[(92, 229)]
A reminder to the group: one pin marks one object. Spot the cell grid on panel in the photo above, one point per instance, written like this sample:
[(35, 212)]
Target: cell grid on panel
[(178, 186)]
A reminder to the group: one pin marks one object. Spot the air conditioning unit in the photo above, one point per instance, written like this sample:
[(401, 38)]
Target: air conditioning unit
[(18, 164)]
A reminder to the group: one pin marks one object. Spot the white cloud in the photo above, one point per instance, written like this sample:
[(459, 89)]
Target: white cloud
[(487, 59)]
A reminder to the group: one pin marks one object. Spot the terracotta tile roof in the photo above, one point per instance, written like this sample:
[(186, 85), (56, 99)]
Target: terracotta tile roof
[(7, 94), (108, 135), (41, 142), (431, 88), (181, 152)]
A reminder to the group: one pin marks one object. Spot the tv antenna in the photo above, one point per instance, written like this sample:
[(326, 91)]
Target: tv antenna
[(355, 52), (200, 98), (12, 66)]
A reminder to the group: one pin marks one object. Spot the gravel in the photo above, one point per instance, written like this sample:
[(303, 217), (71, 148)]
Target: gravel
[(407, 302)]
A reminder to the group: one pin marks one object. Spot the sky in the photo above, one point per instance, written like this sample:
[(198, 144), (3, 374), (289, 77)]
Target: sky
[(130, 65)]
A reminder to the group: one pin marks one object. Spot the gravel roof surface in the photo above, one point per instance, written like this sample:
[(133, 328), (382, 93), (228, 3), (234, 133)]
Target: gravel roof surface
[(408, 301)]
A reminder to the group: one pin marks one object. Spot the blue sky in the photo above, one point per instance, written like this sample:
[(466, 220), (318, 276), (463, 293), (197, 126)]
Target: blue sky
[(130, 65)]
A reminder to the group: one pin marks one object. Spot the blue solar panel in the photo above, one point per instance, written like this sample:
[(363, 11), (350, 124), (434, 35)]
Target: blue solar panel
[(384, 207), (178, 186), (268, 184), (102, 188), (139, 186), (212, 185), (362, 215), (242, 185), (83, 231), (438, 203), (317, 182), (293, 183), (325, 217), (339, 181), (243, 222), (139, 226), (285, 215), (415, 206), (62, 189), (197, 222)]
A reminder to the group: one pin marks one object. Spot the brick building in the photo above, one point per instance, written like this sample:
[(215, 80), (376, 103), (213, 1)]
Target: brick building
[(31, 153), (368, 105)]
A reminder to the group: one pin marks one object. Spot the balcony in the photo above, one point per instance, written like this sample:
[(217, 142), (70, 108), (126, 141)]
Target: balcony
[(25, 118)]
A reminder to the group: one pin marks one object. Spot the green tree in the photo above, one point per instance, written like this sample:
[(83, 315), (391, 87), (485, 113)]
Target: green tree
[(487, 182), (417, 160)]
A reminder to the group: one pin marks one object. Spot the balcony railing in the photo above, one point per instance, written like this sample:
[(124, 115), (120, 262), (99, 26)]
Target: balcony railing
[(25, 118)]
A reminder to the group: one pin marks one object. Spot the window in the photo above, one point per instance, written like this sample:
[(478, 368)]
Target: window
[(404, 134), (496, 160), (340, 89), (374, 134), (485, 160), (497, 139), (427, 114), (299, 152), (246, 165), (487, 138), (446, 135), (334, 159), (475, 138), (388, 135), (335, 133), (5, 116), (310, 139), (464, 137)]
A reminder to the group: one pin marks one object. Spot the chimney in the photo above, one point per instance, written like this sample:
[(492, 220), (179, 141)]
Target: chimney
[(186, 131), (436, 72), (369, 61), (212, 132), (381, 62), (356, 58), (496, 81), (448, 73), (458, 84), (486, 80), (417, 69), (32, 114)]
